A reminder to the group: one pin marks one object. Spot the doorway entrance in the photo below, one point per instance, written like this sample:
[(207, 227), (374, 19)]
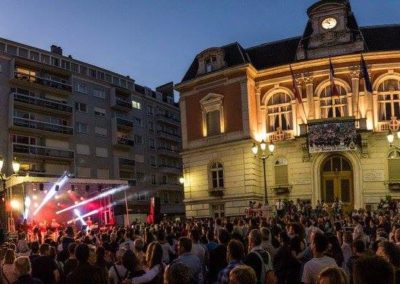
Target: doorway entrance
[(337, 181)]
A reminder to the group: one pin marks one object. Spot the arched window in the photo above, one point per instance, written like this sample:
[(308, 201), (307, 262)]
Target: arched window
[(279, 112), (394, 165), (281, 172), (389, 99), (217, 175), (333, 107)]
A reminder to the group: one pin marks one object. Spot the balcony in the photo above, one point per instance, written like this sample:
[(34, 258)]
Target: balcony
[(42, 104), (168, 120), (123, 123), (120, 103), (170, 169), (164, 151), (216, 192), (126, 164), (62, 87), (169, 136), (25, 124), (41, 152)]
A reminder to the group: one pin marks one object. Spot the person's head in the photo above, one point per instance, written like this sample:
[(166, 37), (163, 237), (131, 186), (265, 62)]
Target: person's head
[(195, 235), (320, 243), (223, 236), (35, 247), (138, 245), (52, 252), (347, 237), (390, 252), (332, 275), (156, 255), (129, 260), (82, 253), (255, 238), (9, 258), (177, 273), (235, 250), (119, 255), (92, 255), (265, 233), (242, 274), (358, 247), (44, 249), (185, 245), (22, 266), (372, 270)]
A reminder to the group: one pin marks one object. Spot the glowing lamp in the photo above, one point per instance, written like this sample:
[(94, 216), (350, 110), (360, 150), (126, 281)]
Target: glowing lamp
[(254, 149), (263, 145), (181, 180), (271, 147), (15, 204), (390, 137), (16, 166), (1, 163)]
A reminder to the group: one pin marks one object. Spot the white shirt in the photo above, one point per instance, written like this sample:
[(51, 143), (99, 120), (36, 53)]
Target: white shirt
[(313, 267), (148, 276), (112, 274), (199, 251)]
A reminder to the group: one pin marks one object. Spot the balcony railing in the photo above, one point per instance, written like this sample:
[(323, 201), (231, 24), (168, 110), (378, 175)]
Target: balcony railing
[(168, 119), (125, 141), (167, 151), (168, 135), (40, 125), (216, 192), (42, 151), (124, 122), (123, 103), (65, 86), (126, 162), (42, 103)]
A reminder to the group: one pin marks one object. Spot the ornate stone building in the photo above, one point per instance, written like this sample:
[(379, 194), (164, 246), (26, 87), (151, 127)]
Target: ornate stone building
[(328, 143)]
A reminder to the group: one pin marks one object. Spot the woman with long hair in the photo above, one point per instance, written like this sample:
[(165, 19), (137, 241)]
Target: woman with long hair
[(132, 265), (8, 274), (154, 274), (335, 251)]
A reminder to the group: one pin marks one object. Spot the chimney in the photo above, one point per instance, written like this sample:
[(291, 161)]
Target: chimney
[(56, 49)]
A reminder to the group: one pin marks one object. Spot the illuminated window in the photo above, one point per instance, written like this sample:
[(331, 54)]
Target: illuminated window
[(389, 100), (136, 105), (217, 175), (281, 172), (394, 165), (333, 107), (279, 112), (212, 115)]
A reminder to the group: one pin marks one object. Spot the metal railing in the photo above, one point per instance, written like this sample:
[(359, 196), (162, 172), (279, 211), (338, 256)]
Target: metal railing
[(65, 86), (36, 124), (37, 150), (42, 102)]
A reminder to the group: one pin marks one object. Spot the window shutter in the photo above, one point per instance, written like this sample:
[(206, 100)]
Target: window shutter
[(394, 169), (213, 123), (281, 175)]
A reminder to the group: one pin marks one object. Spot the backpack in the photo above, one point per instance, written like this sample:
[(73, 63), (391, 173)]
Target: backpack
[(265, 260)]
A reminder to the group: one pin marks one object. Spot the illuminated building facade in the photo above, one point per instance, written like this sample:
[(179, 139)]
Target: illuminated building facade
[(232, 97)]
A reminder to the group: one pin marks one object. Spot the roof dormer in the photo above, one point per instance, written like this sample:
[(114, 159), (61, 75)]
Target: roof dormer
[(210, 60)]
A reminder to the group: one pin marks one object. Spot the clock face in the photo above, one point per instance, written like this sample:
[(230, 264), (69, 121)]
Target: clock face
[(329, 23)]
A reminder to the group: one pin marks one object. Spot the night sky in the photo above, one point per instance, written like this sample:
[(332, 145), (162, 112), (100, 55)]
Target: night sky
[(155, 41)]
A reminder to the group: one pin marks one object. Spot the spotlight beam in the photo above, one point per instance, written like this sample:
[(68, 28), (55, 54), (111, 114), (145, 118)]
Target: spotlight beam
[(93, 212), (60, 183), (80, 218), (104, 194)]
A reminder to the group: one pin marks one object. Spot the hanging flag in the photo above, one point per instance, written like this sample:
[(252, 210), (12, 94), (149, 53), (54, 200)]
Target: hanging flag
[(294, 87), (334, 90), (364, 74)]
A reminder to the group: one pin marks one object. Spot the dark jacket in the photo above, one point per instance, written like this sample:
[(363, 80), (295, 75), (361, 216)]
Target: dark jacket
[(85, 273), (27, 279)]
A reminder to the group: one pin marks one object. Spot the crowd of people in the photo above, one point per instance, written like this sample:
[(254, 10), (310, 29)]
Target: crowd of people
[(299, 244)]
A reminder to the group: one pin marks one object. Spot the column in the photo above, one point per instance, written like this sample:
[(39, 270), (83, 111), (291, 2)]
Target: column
[(355, 103), (309, 83)]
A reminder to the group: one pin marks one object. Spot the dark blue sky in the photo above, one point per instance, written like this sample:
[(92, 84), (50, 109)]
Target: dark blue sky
[(155, 41)]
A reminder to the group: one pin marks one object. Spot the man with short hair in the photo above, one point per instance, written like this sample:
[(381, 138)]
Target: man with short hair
[(259, 259), (190, 260), (373, 270), (71, 263), (242, 274), (358, 248), (197, 248), (266, 242), (22, 266), (235, 255), (44, 267), (177, 273), (319, 262)]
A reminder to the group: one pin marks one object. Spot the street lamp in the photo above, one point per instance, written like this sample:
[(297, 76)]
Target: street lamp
[(391, 137), (182, 180), (264, 155), (15, 166)]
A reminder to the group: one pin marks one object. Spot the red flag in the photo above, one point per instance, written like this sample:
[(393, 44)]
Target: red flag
[(334, 90), (294, 87)]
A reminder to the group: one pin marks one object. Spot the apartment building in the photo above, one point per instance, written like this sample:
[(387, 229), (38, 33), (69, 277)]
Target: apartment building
[(60, 114)]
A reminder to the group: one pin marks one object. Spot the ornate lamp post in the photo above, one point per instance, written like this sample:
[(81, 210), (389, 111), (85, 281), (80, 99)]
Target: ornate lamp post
[(263, 155)]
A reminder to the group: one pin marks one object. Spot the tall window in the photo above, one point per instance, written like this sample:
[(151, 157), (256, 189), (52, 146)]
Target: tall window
[(212, 115), (279, 112), (333, 106), (217, 176), (389, 100), (213, 123), (394, 166), (281, 172)]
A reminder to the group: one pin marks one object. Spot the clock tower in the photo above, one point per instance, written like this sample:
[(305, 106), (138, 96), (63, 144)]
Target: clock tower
[(331, 30)]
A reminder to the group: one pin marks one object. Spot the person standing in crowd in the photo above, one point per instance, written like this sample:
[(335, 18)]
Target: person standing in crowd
[(177, 273), (117, 273), (333, 275), (44, 267), (217, 257), (23, 270), (8, 273), (373, 270), (242, 274), (235, 255), (319, 262), (391, 253), (71, 263), (188, 258)]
